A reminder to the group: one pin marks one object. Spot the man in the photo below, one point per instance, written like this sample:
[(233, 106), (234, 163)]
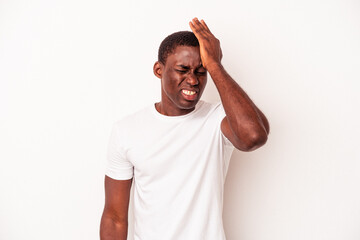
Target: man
[(177, 151)]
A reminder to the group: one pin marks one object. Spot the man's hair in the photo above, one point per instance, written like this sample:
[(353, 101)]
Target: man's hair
[(168, 45)]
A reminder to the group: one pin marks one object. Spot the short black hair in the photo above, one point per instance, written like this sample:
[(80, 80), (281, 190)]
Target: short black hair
[(168, 45)]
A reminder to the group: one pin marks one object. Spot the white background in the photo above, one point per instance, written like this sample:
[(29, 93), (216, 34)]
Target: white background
[(69, 69)]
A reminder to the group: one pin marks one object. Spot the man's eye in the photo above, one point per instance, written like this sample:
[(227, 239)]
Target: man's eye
[(181, 71), (201, 73)]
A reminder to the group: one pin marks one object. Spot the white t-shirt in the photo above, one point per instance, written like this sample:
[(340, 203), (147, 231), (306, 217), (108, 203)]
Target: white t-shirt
[(179, 165)]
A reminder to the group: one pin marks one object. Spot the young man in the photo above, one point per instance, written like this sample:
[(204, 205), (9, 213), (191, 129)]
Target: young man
[(177, 151)]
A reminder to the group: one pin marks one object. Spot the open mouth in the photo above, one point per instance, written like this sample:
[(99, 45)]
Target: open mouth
[(189, 95)]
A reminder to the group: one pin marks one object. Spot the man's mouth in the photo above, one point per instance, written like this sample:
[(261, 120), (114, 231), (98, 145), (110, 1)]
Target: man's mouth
[(189, 95)]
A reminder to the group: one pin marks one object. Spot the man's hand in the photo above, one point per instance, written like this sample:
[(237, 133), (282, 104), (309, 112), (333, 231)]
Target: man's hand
[(210, 50)]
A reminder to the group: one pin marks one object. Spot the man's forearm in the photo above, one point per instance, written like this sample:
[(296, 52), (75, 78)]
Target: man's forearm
[(243, 116), (112, 230)]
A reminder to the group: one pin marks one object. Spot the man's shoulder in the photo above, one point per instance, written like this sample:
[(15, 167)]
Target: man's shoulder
[(210, 107), (134, 118)]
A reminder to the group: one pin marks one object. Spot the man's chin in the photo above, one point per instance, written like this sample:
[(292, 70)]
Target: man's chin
[(188, 104)]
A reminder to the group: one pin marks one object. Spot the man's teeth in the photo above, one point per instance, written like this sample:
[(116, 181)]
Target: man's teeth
[(188, 92)]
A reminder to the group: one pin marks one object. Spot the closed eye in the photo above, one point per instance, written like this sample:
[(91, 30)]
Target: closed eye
[(197, 72), (201, 73)]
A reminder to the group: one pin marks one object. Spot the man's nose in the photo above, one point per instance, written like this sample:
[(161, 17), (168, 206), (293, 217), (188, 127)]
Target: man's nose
[(192, 79)]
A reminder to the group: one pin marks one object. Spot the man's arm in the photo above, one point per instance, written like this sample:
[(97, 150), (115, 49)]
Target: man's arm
[(114, 221), (244, 125)]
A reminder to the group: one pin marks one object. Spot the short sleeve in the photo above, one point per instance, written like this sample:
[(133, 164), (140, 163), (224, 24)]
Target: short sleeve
[(118, 167), (220, 112)]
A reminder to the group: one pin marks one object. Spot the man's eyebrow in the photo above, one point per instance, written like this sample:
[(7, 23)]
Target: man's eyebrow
[(186, 67), (183, 66)]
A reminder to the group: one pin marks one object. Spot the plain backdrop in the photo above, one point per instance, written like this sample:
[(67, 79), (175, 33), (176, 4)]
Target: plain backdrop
[(70, 68)]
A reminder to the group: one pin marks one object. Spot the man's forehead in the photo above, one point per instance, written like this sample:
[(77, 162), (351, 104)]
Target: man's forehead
[(185, 55)]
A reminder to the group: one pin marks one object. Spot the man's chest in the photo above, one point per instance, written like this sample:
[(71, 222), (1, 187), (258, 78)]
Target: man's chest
[(165, 148)]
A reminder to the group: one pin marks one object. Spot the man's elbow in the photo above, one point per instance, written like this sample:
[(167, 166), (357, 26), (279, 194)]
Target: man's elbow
[(113, 226), (254, 142)]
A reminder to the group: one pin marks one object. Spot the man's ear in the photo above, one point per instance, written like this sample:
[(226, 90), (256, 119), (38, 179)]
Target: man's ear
[(158, 68)]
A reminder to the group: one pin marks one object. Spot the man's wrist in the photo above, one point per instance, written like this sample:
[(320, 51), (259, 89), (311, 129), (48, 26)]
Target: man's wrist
[(214, 68)]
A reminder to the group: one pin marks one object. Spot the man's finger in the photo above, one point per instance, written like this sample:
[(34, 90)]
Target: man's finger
[(193, 28), (205, 26), (202, 28), (199, 33), (198, 26), (196, 20)]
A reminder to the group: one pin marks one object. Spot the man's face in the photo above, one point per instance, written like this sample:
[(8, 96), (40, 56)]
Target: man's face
[(183, 80)]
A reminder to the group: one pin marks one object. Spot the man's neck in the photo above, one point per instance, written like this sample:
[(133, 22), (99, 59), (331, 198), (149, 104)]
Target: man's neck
[(171, 111)]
